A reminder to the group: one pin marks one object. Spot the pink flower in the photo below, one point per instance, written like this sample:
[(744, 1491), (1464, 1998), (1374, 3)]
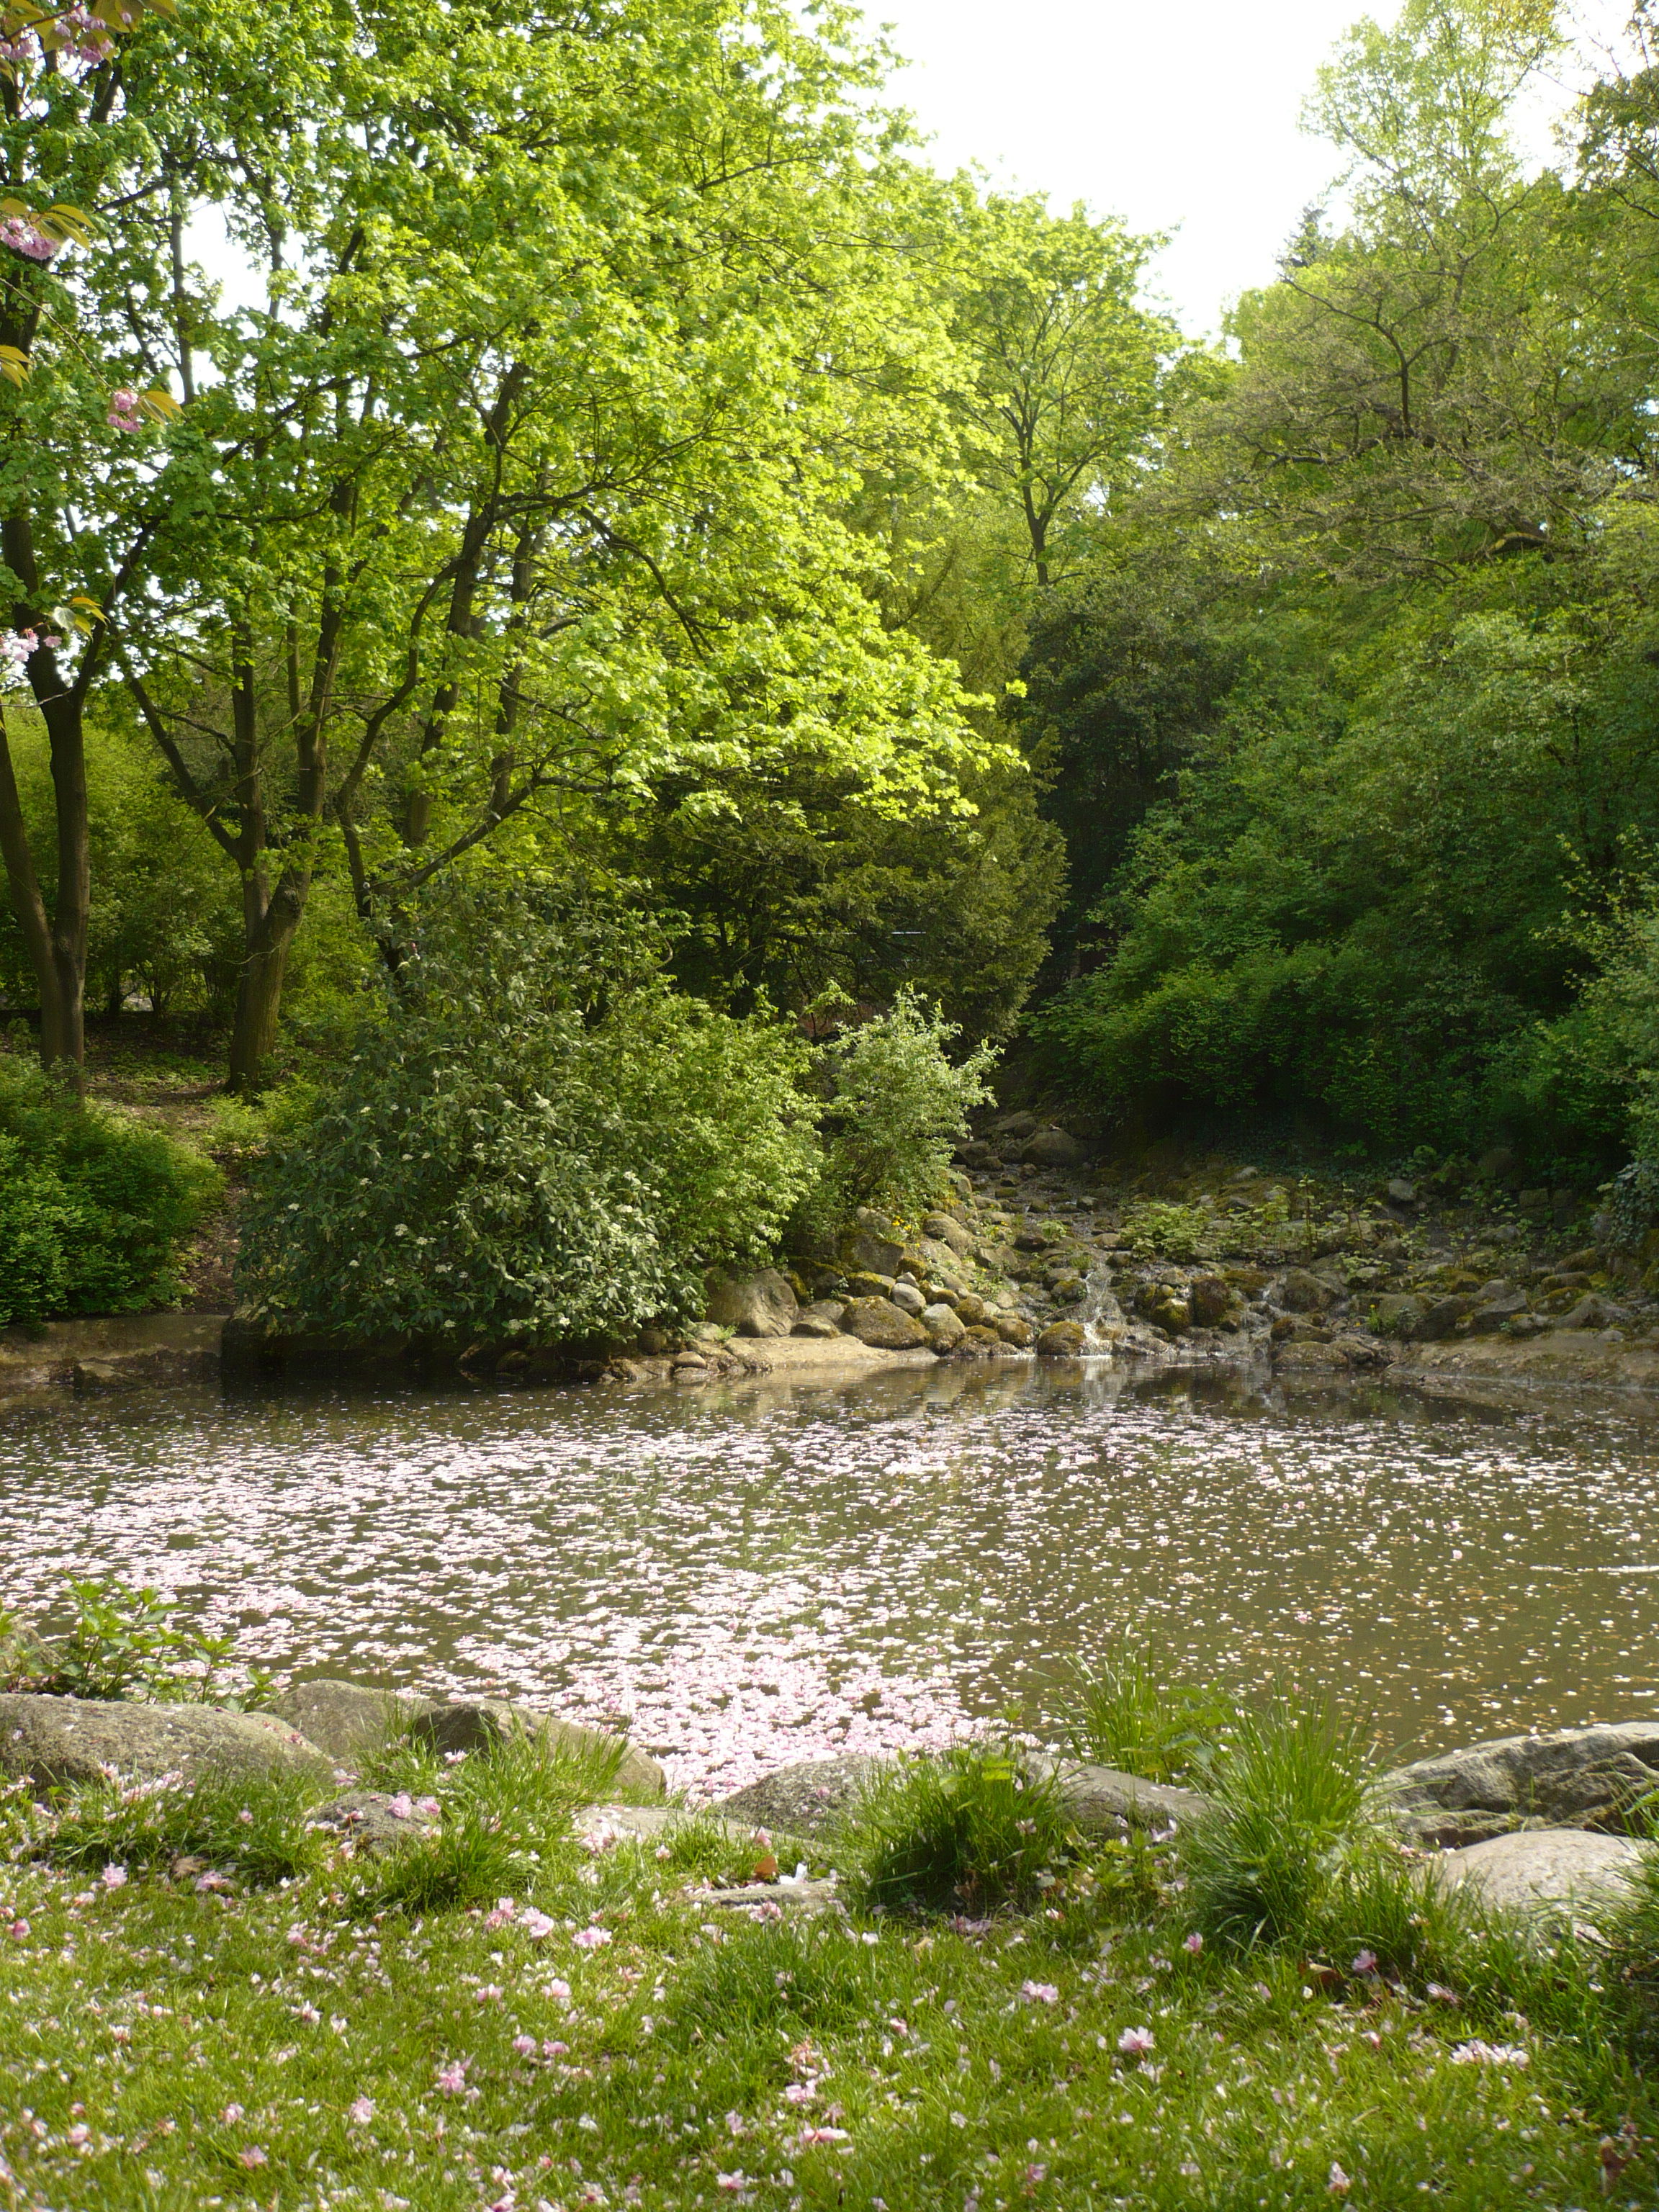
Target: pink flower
[(402, 1807), (1193, 1944), (799, 2092), (114, 1877), (591, 1939), (1034, 2174), (1364, 1963), (1134, 2040), (825, 2136), (361, 2113), (1442, 1995), (253, 2156), (555, 2050), (1039, 1993), (491, 1993), (732, 2183), (20, 1930), (1339, 2184), (503, 1913), (231, 2114), (22, 235), (736, 2124), (452, 2079), (525, 2045), (124, 409), (535, 1924)]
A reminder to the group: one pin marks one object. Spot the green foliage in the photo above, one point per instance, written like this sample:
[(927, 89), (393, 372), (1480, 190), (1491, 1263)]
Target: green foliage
[(126, 1643), (1124, 1710), (538, 1141), (253, 1828), (967, 1829), (93, 1206), (1289, 1822), (897, 1107)]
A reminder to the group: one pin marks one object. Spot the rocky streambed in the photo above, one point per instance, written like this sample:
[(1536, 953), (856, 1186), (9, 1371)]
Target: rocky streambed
[(1533, 1822)]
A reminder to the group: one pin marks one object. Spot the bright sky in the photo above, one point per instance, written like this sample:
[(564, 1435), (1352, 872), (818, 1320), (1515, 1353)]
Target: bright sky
[(1176, 118)]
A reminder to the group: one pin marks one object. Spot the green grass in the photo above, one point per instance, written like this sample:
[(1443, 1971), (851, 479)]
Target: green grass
[(1124, 1710), (165, 2047), (967, 1832)]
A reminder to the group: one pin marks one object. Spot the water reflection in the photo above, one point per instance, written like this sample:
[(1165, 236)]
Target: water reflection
[(764, 1574)]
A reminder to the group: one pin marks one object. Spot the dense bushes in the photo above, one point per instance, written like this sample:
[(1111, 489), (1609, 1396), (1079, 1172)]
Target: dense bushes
[(539, 1139), (92, 1208)]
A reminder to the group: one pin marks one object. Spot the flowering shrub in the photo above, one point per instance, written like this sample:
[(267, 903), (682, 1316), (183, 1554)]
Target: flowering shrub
[(540, 1141)]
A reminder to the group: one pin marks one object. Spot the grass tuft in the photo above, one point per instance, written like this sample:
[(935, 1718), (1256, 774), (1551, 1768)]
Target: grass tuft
[(969, 1831), (1124, 1711)]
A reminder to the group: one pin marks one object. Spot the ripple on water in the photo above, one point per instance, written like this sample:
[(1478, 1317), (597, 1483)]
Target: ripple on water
[(753, 1579)]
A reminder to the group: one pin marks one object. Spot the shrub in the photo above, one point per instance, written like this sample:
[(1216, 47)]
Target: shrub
[(1124, 1711), (92, 1208), (125, 1643), (970, 1829), (540, 1141), (1289, 1821), (897, 1108)]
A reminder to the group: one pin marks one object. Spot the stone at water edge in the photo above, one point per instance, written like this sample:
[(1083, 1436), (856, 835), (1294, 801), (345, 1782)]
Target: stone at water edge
[(1062, 1340), (821, 1318), (1015, 1331), (483, 1724), (762, 1304), (1100, 1799), (1543, 1871), (945, 1327), (908, 1299), (1210, 1300), (1301, 1291), (878, 1323), (947, 1230), (806, 1800), (348, 1721), (1568, 1775), (53, 1740)]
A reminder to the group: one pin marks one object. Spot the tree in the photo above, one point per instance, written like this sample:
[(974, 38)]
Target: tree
[(525, 488)]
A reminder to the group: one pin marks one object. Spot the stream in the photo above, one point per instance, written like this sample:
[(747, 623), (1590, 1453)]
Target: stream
[(749, 1576)]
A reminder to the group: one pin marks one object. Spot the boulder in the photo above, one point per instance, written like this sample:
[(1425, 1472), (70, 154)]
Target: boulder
[(1015, 1124), (1210, 1300), (1103, 1800), (1062, 1340), (53, 1740), (754, 1305), (1015, 1331), (1053, 1148), (908, 1299), (945, 1327), (972, 1308), (1442, 1317), (371, 1822), (1593, 1312), (483, 1724), (1568, 1777), (347, 1721), (874, 1245), (887, 1328), (1302, 1291), (1397, 1313), (862, 1284), (945, 1228), (821, 1318), (1401, 1193), (1543, 1871), (1498, 1304), (807, 1799)]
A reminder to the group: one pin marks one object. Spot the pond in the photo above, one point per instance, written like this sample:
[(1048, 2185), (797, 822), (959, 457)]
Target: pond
[(754, 1577)]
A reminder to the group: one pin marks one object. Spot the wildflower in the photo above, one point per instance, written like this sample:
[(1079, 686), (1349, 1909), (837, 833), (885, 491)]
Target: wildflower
[(505, 1909), (246, 1817), (736, 2124), (1134, 2040), (1034, 2174), (555, 2050), (451, 2078), (1192, 1944), (402, 1807), (231, 2114), (338, 2023), (1339, 2184), (591, 1939), (20, 1930), (825, 2136), (361, 2113), (535, 1924), (253, 2156), (77, 2136), (732, 2183), (1442, 1995), (308, 2014), (525, 2045), (799, 2092), (1364, 1963), (1039, 1993), (114, 1877), (491, 1993)]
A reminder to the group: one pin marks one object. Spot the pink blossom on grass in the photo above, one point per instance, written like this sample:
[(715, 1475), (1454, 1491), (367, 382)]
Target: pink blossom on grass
[(1134, 2040), (253, 2156), (825, 2136), (451, 2078), (361, 2112), (1039, 1993), (1364, 1963), (525, 2045), (535, 1924), (114, 1877), (1192, 1944), (1339, 2184), (591, 1939)]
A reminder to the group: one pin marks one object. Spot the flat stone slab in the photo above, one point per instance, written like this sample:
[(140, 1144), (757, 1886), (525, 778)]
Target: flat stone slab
[(1561, 1356), (122, 1352), (348, 1721), (767, 1900), (54, 1741), (483, 1724), (1543, 1871), (1568, 1777), (806, 1800), (1103, 1800)]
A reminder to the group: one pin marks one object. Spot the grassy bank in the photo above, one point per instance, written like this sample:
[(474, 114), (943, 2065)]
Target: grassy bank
[(205, 2004)]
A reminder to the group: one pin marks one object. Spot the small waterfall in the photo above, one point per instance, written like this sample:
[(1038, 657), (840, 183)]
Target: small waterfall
[(1101, 1315)]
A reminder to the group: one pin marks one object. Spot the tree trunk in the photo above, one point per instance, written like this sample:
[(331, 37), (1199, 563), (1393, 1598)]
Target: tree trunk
[(57, 944), (270, 925)]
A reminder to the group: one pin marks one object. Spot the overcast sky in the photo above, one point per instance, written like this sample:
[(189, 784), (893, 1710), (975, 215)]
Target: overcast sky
[(1182, 118)]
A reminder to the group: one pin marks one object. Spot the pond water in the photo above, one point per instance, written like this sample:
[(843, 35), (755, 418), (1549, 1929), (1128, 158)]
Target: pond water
[(754, 1578)]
